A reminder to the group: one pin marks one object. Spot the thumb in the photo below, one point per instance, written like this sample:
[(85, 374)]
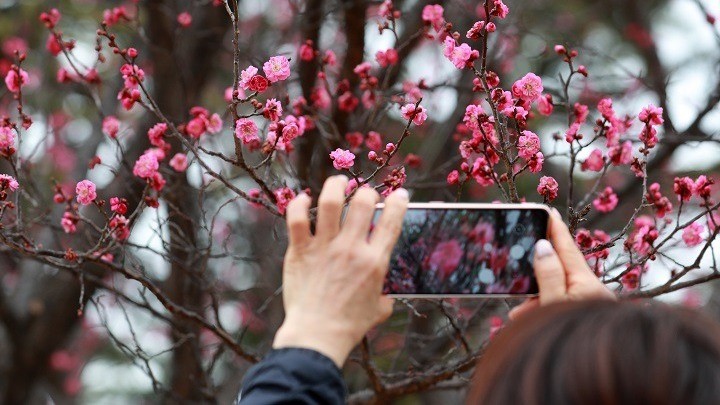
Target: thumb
[(549, 273)]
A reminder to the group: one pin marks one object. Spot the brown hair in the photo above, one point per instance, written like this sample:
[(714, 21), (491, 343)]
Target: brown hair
[(602, 352)]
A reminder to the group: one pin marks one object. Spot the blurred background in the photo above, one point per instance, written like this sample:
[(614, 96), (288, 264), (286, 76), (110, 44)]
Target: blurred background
[(220, 257)]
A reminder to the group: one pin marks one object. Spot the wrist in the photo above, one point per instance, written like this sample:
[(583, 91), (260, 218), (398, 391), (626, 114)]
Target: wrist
[(333, 341)]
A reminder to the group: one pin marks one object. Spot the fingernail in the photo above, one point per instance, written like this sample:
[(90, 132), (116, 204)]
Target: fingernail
[(402, 193), (543, 248)]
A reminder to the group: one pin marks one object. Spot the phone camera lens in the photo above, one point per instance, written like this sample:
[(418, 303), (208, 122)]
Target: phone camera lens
[(519, 229)]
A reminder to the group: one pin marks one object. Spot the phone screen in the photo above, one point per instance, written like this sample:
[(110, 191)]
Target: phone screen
[(466, 251)]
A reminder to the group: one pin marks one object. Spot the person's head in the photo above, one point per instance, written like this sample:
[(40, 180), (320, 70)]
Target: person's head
[(602, 352)]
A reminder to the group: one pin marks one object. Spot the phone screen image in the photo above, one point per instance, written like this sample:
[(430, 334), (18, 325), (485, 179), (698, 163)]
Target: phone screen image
[(444, 251)]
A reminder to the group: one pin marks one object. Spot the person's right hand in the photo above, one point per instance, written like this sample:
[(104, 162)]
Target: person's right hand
[(562, 272)]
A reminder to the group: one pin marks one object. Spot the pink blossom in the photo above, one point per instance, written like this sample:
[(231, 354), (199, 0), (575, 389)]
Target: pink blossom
[(387, 58), (373, 140), (651, 115), (528, 144), (595, 162), (692, 234), (500, 9), (118, 205), (353, 184), (418, 115), (111, 126), (277, 68), (214, 124), (606, 109), (661, 204), (307, 53), (283, 196), (482, 172), (606, 201), (156, 135), (342, 159), (246, 130), (545, 105), (69, 222), (184, 19), (459, 55), (433, 14), (330, 58), (453, 177), (15, 79), (245, 77), (146, 166), (702, 186), (179, 162), (7, 137), (535, 164), (8, 182), (196, 127), (363, 69), (631, 278), (572, 133), (85, 191), (120, 227), (644, 235), (290, 131), (548, 188), (528, 88), (684, 188), (621, 154), (476, 30), (445, 258), (273, 110)]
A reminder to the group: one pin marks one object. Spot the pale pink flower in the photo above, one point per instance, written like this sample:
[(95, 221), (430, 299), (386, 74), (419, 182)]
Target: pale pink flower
[(446, 258), (692, 234), (146, 166), (528, 144), (342, 159), (14, 80), (111, 126), (459, 55), (606, 201), (179, 162), (528, 88), (68, 222), (277, 68), (214, 124), (85, 191), (433, 14), (548, 188), (7, 137), (245, 77), (246, 130), (418, 115), (595, 162)]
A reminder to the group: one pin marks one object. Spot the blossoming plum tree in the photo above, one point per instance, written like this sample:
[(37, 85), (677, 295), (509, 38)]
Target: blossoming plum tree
[(163, 215)]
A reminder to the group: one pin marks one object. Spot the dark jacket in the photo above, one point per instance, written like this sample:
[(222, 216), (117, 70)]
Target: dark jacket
[(293, 376)]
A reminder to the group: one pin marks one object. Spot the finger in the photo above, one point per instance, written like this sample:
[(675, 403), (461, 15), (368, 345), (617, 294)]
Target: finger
[(298, 220), (572, 259), (389, 226), (549, 273), (360, 213), (523, 308), (385, 308), (330, 206)]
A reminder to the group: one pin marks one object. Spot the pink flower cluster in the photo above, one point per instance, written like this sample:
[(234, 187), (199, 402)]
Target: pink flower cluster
[(461, 56), (111, 126), (85, 191), (342, 159), (692, 234), (606, 201), (276, 69), (8, 182), (7, 137), (660, 203), (651, 116), (685, 188), (203, 122), (548, 188), (417, 115)]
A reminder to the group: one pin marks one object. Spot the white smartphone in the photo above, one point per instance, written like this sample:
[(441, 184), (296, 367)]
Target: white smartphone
[(466, 250)]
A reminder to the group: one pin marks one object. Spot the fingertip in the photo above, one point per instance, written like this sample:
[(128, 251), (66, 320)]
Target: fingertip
[(401, 194), (543, 249)]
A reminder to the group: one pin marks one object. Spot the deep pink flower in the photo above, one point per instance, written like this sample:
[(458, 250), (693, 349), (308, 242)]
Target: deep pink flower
[(246, 130), (307, 52), (433, 14), (146, 166), (631, 279), (661, 204), (53, 45), (156, 135), (445, 258), (283, 196), (277, 69), (184, 19), (179, 162), (702, 186), (595, 162), (692, 234), (606, 109), (500, 9), (644, 235), (548, 188), (85, 191), (535, 164), (418, 115), (111, 126), (7, 137), (606, 201), (651, 115), (572, 133), (373, 140), (273, 110), (684, 188), (290, 131), (347, 102), (15, 79), (621, 154), (476, 30), (8, 182), (528, 144), (545, 105), (342, 159), (453, 177), (118, 205), (528, 88), (69, 222), (482, 172), (387, 58), (245, 77)]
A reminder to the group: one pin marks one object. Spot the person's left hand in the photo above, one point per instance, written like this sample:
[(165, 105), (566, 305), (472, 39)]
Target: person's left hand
[(332, 281)]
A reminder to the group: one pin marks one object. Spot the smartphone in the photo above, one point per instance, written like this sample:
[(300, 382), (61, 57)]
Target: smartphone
[(465, 250)]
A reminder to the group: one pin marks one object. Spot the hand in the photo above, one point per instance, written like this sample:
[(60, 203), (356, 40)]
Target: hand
[(562, 273), (332, 281)]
